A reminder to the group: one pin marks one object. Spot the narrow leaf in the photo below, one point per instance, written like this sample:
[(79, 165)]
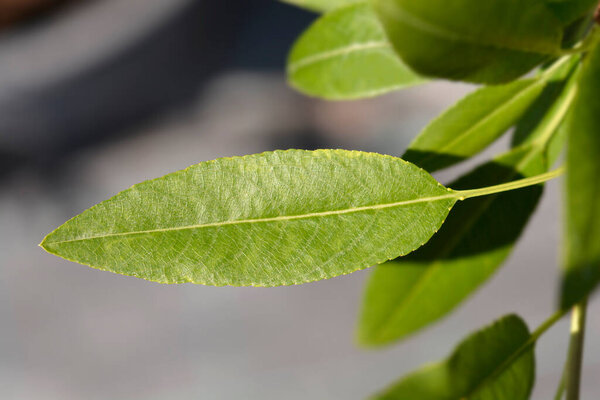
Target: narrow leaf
[(482, 367), (582, 223), (277, 218), (481, 117), (472, 124), (345, 55), (543, 104), (409, 293), (472, 40), (321, 5)]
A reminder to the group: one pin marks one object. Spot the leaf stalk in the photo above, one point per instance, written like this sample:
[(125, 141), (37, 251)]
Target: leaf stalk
[(575, 355), (504, 187)]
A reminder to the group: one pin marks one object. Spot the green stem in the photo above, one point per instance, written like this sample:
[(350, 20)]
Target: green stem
[(561, 386), (504, 187), (547, 324), (575, 356)]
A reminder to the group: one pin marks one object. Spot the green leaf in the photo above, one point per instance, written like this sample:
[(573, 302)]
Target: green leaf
[(409, 293), (472, 124), (570, 10), (277, 218), (321, 5), (482, 367), (345, 55), (481, 117), (582, 214), (541, 107), (488, 41)]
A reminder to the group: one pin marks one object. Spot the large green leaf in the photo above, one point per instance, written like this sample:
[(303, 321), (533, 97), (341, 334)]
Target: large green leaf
[(488, 41), (582, 223), (277, 218), (570, 10), (321, 5), (345, 55), (485, 366), (409, 293)]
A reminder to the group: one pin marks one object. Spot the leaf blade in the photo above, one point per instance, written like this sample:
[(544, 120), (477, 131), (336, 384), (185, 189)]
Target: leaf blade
[(481, 117), (570, 10), (581, 271), (472, 124), (474, 241), (479, 368), (409, 293), (270, 219), (465, 40), (345, 55)]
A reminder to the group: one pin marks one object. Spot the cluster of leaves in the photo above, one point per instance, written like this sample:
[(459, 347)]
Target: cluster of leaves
[(290, 217)]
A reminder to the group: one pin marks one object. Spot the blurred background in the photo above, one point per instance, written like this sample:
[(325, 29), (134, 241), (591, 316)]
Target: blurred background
[(96, 95)]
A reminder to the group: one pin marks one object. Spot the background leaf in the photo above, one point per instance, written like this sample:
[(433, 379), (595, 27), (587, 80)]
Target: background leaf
[(409, 293), (481, 117), (480, 368), (472, 124), (582, 214), (345, 55), (543, 104), (570, 10), (466, 39), (321, 5), (277, 218)]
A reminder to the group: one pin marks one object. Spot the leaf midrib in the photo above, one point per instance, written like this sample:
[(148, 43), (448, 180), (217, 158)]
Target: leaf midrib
[(450, 195), (341, 51), (501, 367)]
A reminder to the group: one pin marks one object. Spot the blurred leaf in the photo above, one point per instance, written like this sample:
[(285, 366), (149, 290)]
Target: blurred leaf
[(321, 5), (542, 105), (409, 293), (568, 11), (276, 218), (345, 55), (582, 233), (485, 366), (488, 41), (478, 119), (472, 124)]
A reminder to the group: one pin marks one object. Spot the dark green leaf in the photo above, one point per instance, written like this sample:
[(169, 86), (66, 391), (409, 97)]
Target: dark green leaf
[(482, 367), (568, 11), (488, 41), (345, 55), (409, 293), (277, 218), (582, 233)]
